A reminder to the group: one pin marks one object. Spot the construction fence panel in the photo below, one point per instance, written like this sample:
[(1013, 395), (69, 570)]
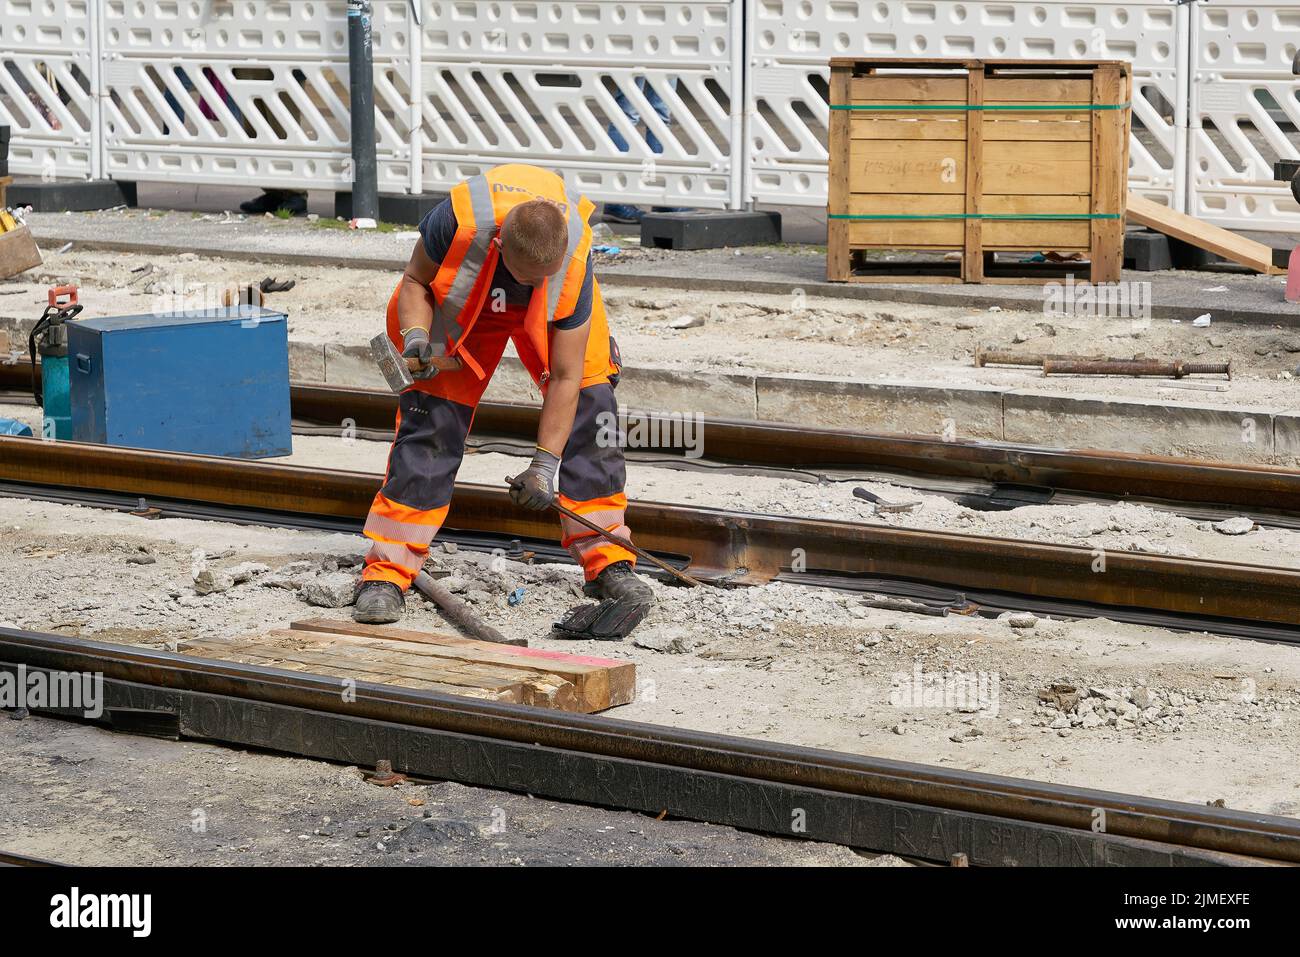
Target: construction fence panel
[(244, 92), (790, 41), (46, 66), (632, 101), (1245, 111)]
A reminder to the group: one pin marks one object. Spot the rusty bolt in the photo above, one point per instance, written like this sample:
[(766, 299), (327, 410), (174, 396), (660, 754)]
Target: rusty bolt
[(383, 775)]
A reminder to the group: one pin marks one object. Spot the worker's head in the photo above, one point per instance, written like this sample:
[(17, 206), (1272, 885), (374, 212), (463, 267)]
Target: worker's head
[(533, 239)]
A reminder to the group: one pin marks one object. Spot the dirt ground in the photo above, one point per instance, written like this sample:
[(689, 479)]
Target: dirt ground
[(1187, 717), (762, 332), (1183, 716)]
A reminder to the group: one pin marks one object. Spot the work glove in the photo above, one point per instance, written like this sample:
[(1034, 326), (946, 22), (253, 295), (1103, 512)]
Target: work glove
[(534, 487), (416, 345)]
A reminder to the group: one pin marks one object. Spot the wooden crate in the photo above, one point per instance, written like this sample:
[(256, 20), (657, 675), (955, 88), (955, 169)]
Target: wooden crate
[(976, 157)]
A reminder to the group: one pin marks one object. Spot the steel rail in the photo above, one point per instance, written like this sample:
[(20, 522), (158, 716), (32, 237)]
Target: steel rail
[(740, 547), (790, 446), (787, 446), (14, 859), (620, 763)]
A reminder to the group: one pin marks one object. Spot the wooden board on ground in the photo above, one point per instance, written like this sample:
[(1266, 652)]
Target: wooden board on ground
[(18, 252), (1201, 234), (435, 662)]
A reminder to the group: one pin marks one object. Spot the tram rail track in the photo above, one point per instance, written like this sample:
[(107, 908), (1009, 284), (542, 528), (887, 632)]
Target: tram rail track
[(918, 811), (1003, 475), (722, 547)]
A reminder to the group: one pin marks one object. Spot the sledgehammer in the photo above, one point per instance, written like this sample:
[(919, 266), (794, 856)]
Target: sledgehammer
[(397, 368)]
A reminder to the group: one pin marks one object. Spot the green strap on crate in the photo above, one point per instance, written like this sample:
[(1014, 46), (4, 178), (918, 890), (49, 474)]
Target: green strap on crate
[(1007, 107), (941, 216)]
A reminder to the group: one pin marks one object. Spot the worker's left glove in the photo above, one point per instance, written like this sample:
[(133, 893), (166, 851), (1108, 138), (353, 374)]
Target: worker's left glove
[(534, 487)]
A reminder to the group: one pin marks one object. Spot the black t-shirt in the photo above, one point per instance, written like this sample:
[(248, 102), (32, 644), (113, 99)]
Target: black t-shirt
[(438, 228)]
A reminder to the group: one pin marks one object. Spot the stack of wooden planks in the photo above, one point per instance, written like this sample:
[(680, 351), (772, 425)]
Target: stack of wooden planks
[(449, 664)]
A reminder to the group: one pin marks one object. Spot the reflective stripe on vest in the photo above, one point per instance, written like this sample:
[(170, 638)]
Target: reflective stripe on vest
[(445, 313)]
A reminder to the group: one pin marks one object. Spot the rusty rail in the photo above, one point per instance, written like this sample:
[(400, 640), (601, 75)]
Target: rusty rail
[(720, 544), (897, 806)]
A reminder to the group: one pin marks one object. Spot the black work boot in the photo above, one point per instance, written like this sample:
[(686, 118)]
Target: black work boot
[(618, 581), (379, 603)]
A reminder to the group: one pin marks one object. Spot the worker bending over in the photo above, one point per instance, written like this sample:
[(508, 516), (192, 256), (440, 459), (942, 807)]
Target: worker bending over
[(505, 257)]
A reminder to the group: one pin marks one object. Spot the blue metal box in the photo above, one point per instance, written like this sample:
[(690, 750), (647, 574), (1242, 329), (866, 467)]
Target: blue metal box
[(213, 381)]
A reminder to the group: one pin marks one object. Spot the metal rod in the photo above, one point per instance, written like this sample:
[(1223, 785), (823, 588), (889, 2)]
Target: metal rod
[(361, 103), (1172, 368), (1005, 357), (459, 613), (624, 543)]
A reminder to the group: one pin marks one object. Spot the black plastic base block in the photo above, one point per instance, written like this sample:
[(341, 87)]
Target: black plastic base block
[(710, 229), (406, 209), (1147, 251), (1286, 170), (72, 195)]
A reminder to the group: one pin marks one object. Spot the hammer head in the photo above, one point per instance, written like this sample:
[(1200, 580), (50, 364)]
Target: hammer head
[(390, 362)]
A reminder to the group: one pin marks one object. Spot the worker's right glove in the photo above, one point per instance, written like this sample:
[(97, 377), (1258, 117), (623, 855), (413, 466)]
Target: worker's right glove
[(416, 345)]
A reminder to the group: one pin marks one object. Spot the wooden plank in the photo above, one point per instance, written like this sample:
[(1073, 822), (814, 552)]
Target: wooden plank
[(1037, 235), (346, 660), (837, 230), (18, 252), (881, 126), (1201, 234), (972, 260), (906, 166), (907, 234), (1021, 127), (599, 683), (1002, 90), (1038, 204), (905, 204), (223, 651), (905, 89), (1036, 167), (543, 689), (1109, 175)]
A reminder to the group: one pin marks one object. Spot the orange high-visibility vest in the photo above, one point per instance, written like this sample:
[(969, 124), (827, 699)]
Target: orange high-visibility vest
[(463, 278)]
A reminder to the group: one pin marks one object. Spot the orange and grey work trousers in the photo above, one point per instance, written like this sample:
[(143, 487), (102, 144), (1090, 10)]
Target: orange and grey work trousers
[(433, 420)]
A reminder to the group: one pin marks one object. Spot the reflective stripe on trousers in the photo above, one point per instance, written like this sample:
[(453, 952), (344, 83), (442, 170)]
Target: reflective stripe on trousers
[(413, 503)]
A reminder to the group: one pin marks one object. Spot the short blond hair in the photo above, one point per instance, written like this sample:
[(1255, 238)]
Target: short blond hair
[(536, 232)]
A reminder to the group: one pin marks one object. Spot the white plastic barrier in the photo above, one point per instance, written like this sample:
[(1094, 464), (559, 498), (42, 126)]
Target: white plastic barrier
[(1244, 112), (790, 42), (241, 92), (730, 94), (46, 68), (542, 82)]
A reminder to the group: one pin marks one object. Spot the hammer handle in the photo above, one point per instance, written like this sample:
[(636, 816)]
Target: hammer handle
[(441, 363)]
